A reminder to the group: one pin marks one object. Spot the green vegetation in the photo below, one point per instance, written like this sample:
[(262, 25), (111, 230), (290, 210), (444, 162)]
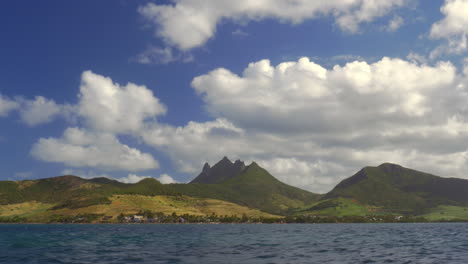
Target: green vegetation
[(385, 193), (128, 205), (254, 187), (448, 213), (337, 207), (395, 189)]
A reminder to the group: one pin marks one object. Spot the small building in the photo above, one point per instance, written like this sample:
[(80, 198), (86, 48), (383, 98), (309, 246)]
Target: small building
[(138, 218)]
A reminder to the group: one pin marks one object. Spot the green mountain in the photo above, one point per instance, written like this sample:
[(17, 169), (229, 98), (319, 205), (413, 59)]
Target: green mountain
[(251, 186), (246, 186), (234, 188), (70, 197), (390, 188)]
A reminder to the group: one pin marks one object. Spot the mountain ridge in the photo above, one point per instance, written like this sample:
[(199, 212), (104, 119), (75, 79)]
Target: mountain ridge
[(384, 189)]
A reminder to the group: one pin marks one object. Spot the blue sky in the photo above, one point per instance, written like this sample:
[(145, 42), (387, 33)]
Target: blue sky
[(312, 92)]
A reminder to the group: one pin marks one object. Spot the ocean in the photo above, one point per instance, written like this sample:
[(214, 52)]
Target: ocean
[(234, 243)]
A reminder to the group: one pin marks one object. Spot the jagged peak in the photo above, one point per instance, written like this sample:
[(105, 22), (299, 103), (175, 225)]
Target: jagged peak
[(221, 171), (206, 167), (238, 161), (225, 160)]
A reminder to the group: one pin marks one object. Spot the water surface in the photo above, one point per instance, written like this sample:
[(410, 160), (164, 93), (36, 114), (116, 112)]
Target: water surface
[(240, 243)]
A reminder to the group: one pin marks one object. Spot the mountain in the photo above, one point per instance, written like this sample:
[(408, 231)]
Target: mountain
[(248, 187), (234, 188), (63, 197), (390, 188), (251, 186), (220, 172)]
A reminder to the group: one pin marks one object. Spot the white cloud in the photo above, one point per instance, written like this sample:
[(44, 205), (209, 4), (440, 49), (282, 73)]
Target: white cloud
[(313, 95), (106, 110), (453, 27), (81, 148), (109, 107), (394, 24), (194, 143), (133, 178), (190, 23), (166, 179), (7, 105), (39, 111)]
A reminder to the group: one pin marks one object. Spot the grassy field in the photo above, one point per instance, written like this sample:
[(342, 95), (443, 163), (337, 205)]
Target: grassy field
[(132, 204), (448, 213), (27, 209)]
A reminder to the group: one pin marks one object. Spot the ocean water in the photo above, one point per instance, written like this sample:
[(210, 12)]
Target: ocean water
[(291, 243)]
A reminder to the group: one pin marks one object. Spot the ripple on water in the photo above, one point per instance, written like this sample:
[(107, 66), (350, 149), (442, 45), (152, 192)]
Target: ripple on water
[(327, 243)]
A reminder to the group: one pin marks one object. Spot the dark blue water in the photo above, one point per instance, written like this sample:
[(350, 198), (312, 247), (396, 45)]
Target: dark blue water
[(319, 243)]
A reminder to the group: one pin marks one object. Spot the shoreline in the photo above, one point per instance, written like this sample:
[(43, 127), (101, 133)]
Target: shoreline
[(337, 223)]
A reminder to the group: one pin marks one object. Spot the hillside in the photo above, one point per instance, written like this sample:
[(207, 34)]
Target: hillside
[(129, 205), (390, 188), (252, 189), (234, 188), (252, 186)]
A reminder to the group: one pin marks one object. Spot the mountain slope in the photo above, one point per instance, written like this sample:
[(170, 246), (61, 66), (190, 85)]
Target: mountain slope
[(386, 189), (394, 188), (252, 186)]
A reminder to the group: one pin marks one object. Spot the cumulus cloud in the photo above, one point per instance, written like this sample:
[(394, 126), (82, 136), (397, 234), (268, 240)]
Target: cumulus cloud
[(109, 107), (393, 89), (81, 148), (453, 27), (39, 111), (190, 145), (187, 24), (133, 178), (395, 24), (7, 105), (166, 179), (106, 110)]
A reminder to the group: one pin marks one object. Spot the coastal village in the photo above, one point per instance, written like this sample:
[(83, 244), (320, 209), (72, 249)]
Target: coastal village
[(147, 217)]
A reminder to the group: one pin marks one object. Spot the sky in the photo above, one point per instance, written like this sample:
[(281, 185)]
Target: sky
[(311, 90)]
